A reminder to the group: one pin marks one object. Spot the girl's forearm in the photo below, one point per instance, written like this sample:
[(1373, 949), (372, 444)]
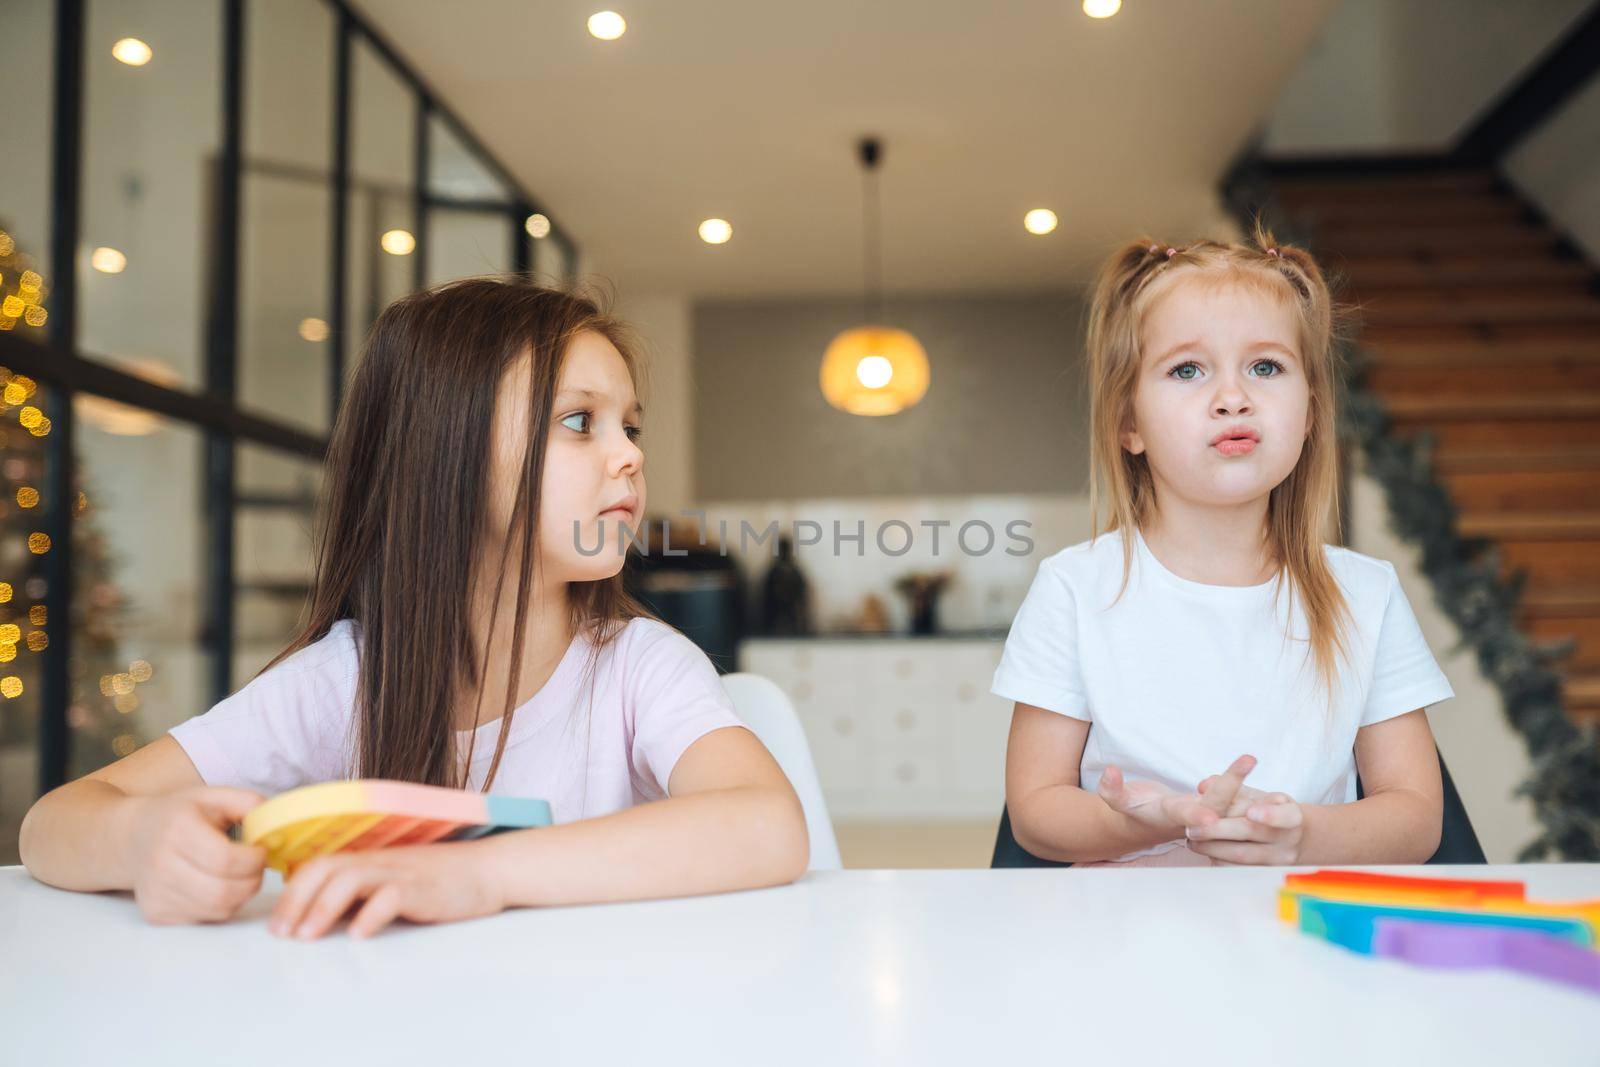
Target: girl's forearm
[(1070, 825), (711, 842), (72, 837), (1398, 826)]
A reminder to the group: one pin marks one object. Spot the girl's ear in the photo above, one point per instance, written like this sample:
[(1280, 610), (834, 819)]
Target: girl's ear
[(1132, 442)]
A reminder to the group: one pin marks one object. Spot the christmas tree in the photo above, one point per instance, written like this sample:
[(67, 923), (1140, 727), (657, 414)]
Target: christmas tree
[(104, 697)]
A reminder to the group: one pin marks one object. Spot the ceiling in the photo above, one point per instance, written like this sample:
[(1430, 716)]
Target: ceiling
[(750, 111)]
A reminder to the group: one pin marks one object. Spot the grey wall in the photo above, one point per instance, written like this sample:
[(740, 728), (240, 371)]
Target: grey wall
[(1386, 75), (1558, 167), (1005, 410)]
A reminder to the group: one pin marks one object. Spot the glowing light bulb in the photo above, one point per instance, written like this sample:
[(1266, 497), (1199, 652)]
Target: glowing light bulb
[(607, 25), (1041, 220), (132, 51), (716, 231), (874, 372), (398, 242), (108, 260), (1101, 9), (538, 226)]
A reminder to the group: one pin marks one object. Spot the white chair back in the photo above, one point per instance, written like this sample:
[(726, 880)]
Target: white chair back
[(766, 709)]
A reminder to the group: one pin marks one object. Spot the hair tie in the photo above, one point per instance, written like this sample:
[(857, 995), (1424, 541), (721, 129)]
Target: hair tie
[(1154, 249), (1273, 252), (1171, 252)]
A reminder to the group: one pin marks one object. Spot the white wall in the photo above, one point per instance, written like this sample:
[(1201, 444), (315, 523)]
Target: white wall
[(664, 324)]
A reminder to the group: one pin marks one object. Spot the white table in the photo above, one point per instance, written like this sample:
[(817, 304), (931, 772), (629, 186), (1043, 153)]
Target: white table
[(975, 967)]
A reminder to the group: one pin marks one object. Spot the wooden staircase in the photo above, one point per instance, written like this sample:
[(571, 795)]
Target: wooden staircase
[(1483, 328)]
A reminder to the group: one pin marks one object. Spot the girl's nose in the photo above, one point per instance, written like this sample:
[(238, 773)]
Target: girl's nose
[(626, 458), (1231, 399)]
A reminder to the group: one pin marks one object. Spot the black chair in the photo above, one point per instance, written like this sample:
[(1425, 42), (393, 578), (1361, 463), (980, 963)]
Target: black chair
[(1457, 841)]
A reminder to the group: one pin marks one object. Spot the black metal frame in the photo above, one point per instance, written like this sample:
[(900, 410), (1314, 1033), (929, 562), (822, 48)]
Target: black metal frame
[(55, 359)]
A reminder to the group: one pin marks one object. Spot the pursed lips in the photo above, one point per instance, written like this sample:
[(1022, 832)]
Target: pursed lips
[(1236, 441)]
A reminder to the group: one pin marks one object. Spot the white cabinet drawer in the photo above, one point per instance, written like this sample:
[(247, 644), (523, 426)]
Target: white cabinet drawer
[(900, 728)]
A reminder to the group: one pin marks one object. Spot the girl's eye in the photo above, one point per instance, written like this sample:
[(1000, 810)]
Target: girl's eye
[(582, 416), (635, 432), (1179, 372), (1276, 367)]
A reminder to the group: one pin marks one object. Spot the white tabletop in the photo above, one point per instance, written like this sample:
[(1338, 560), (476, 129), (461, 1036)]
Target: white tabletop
[(964, 967)]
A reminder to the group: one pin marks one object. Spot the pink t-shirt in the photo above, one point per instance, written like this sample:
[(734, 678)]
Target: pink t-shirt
[(654, 694)]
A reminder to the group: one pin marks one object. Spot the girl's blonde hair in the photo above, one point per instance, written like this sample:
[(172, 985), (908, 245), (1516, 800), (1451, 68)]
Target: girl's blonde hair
[(1299, 509)]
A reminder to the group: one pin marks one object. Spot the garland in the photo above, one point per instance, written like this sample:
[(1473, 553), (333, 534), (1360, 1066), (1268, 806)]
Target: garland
[(1564, 784)]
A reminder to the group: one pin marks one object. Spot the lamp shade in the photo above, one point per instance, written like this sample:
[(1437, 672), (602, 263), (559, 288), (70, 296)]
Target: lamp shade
[(874, 370)]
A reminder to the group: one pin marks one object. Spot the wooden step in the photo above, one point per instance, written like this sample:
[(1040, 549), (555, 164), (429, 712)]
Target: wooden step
[(1553, 564), (1563, 525), (1462, 265), (1442, 242), (1480, 352), (1582, 634), (1526, 335), (1531, 459), (1450, 293), (1454, 436), (1361, 226), (1541, 404), (1581, 697), (1391, 310), (1378, 185), (1522, 490), (1568, 602), (1508, 373), (1327, 213)]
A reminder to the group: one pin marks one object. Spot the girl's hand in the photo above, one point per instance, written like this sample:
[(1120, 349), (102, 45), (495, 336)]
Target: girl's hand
[(422, 883), (184, 867), (1155, 805), (1246, 796), (1268, 831)]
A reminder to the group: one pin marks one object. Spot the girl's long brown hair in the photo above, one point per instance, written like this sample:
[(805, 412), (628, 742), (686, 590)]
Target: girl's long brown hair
[(403, 513), (1300, 509)]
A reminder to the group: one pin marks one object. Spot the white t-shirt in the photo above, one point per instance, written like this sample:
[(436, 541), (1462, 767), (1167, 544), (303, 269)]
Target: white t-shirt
[(590, 744), (1180, 678)]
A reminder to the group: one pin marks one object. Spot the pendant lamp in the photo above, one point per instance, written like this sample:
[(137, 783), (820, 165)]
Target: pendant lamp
[(873, 369)]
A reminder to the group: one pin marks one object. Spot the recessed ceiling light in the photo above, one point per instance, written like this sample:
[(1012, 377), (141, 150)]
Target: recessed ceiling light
[(716, 231), (108, 260), (132, 51), (398, 242), (607, 25), (1101, 9), (537, 226), (1041, 220)]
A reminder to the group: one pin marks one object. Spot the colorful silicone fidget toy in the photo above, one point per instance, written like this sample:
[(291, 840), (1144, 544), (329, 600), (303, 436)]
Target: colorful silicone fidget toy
[(1445, 922), (314, 820)]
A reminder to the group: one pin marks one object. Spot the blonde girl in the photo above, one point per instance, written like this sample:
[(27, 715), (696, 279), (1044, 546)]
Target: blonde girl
[(1208, 627)]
